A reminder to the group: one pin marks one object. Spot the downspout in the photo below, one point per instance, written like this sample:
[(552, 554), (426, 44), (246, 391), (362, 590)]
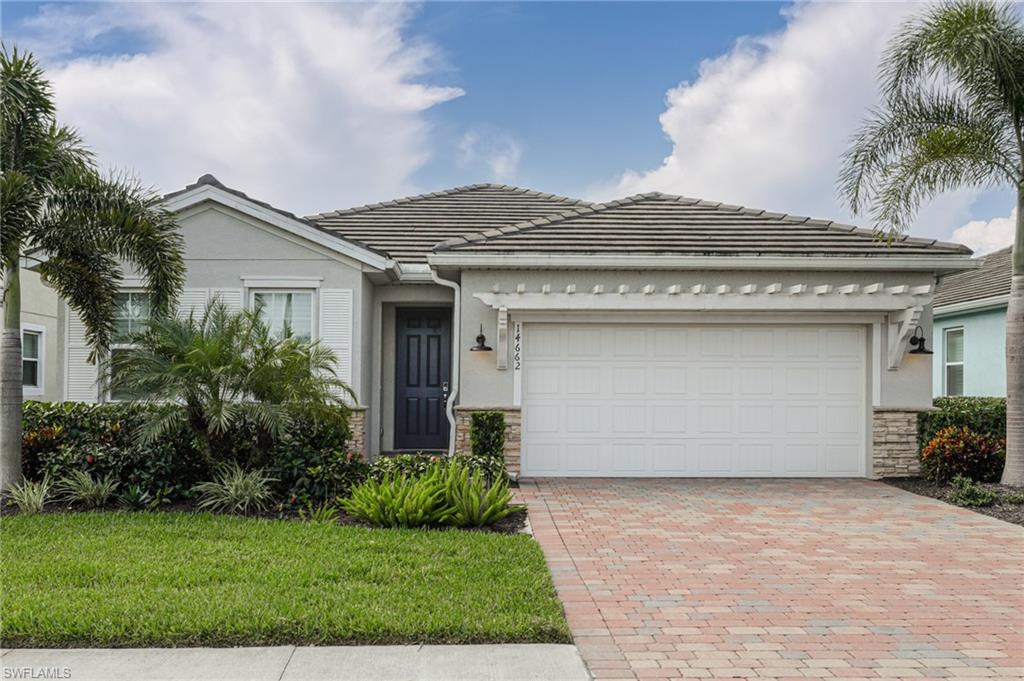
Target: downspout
[(456, 314)]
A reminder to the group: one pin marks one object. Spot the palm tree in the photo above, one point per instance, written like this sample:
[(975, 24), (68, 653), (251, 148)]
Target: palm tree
[(79, 226), (952, 116), (226, 368)]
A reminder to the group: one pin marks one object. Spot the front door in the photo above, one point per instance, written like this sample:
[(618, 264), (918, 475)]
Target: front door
[(423, 344)]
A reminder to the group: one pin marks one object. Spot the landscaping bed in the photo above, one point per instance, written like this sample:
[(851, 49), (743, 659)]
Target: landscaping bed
[(1001, 508), (130, 579)]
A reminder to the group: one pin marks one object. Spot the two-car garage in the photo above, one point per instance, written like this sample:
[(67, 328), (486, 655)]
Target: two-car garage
[(693, 400)]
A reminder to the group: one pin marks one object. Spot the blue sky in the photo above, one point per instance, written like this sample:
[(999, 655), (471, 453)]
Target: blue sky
[(321, 106)]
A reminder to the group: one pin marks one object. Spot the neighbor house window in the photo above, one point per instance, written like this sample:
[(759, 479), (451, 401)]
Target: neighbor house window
[(131, 316), (282, 310), (32, 361), (954, 357)]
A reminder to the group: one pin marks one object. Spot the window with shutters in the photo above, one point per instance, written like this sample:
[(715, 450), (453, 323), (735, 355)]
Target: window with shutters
[(131, 316), (32, 349), (953, 353), (286, 310)]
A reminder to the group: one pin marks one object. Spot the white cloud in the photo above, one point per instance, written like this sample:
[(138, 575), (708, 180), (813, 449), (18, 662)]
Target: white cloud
[(985, 236), (497, 151), (309, 106), (765, 124)]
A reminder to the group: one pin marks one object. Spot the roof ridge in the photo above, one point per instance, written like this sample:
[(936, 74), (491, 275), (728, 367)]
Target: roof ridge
[(461, 189), (691, 201), (550, 219)]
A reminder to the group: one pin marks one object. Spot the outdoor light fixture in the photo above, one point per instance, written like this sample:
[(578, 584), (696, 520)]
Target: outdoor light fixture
[(481, 342), (918, 342)]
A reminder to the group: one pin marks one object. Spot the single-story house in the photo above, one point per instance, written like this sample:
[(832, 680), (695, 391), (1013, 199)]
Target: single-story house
[(650, 336), (970, 329)]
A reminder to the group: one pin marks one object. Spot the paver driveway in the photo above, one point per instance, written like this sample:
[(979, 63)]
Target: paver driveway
[(780, 579)]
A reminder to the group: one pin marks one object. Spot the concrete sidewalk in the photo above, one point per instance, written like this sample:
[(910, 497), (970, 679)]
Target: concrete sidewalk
[(528, 662)]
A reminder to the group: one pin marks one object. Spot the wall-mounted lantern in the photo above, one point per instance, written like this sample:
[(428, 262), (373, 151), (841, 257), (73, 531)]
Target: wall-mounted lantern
[(917, 340), (481, 342)]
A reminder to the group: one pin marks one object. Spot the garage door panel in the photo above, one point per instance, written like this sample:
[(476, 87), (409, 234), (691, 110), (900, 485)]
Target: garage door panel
[(693, 401)]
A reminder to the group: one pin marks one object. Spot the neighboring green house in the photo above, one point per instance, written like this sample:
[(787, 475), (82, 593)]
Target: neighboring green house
[(970, 329)]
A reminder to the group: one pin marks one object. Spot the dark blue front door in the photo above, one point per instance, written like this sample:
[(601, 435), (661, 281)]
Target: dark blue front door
[(423, 355)]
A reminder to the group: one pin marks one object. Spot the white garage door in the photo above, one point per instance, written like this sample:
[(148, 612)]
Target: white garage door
[(717, 401)]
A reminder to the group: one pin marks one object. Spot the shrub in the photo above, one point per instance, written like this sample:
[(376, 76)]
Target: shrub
[(401, 501), (968, 493), (985, 415), (959, 451), (1016, 498), (30, 496), (101, 439), (306, 474), (235, 490), (475, 503), (138, 498), (322, 513), (418, 464), (81, 488), (487, 434)]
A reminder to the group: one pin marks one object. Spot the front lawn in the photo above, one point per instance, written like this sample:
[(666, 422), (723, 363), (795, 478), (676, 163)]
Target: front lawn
[(173, 579)]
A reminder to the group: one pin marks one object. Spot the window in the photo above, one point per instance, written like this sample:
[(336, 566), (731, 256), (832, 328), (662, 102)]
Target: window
[(286, 310), (32, 360), (131, 315), (954, 357)]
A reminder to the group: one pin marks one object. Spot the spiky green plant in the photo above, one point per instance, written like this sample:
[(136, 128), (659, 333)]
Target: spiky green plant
[(30, 496), (81, 488), (401, 501), (952, 116), (225, 367), (76, 225), (235, 490), (474, 503)]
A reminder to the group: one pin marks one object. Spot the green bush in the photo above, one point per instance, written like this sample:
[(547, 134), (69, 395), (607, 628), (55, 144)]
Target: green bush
[(418, 464), (970, 494), (958, 451), (475, 503), (81, 488), (138, 498), (235, 490), (487, 434), (401, 500), (101, 439), (984, 415)]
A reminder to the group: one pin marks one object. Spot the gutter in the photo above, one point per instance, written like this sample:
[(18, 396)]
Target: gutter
[(972, 305), (449, 407)]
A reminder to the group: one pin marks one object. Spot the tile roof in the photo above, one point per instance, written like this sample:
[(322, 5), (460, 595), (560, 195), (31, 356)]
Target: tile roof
[(663, 224), (409, 228), (988, 281)]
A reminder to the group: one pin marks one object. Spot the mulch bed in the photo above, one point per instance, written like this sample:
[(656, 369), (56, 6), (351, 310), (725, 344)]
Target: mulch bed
[(1011, 513)]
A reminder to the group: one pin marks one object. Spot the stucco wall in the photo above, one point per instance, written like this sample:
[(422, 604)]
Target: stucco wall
[(984, 352), (483, 384), (40, 309)]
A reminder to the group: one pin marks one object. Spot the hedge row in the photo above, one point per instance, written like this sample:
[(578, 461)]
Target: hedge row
[(983, 415)]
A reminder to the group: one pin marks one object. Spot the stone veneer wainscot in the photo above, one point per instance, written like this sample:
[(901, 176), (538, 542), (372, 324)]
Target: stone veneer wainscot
[(513, 433), (894, 440)]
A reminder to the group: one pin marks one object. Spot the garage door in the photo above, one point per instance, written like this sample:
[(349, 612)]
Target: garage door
[(715, 401)]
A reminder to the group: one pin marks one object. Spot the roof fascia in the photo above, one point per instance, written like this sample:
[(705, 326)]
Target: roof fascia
[(972, 305)]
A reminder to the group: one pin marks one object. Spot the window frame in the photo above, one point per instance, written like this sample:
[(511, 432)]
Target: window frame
[(116, 345), (946, 363), (314, 304), (40, 387)]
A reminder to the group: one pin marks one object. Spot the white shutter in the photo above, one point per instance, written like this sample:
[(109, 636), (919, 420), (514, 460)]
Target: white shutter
[(192, 300), (336, 327), (82, 376), (231, 297)]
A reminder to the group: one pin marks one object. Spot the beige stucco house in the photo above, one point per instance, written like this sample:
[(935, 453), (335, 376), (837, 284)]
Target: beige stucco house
[(650, 336), (42, 330)]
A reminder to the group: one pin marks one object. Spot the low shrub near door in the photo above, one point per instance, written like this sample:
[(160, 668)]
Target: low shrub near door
[(957, 451), (418, 464)]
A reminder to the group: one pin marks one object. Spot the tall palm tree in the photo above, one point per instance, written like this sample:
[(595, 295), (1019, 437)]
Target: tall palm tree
[(952, 116), (226, 368), (78, 225)]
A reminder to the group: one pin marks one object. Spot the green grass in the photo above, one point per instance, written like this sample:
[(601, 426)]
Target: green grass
[(173, 579)]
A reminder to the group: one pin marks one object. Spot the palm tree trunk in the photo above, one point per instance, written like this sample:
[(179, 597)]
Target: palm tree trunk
[(10, 380), (1013, 473)]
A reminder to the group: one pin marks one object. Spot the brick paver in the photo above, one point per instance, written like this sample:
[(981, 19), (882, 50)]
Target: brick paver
[(786, 579)]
